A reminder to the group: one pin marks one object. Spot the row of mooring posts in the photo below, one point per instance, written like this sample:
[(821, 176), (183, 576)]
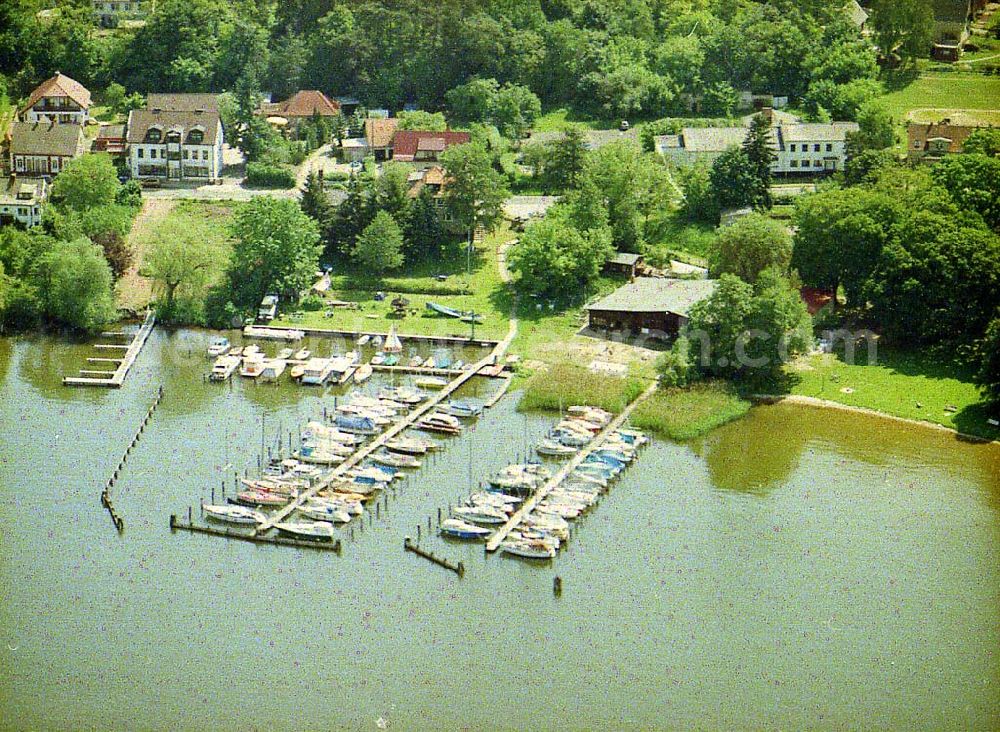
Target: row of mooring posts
[(106, 500)]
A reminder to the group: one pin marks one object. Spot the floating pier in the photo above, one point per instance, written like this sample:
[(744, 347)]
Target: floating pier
[(404, 424), (175, 524), (114, 379), (457, 568), (493, 543), (354, 335)]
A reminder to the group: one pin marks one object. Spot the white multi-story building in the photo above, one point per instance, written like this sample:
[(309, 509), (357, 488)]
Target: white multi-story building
[(175, 144), (58, 99), (21, 200), (807, 148)]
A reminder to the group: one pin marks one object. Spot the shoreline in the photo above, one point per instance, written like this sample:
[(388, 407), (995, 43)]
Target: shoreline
[(829, 404)]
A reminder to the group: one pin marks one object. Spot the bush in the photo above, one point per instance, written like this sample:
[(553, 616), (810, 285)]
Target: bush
[(313, 302), (130, 194), (269, 176), (337, 175)]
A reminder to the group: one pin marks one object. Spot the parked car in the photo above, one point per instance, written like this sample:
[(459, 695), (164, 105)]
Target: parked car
[(623, 126)]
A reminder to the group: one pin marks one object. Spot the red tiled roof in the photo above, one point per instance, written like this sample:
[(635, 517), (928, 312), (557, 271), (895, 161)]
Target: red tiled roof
[(379, 131), (406, 143), (60, 86), (304, 103)]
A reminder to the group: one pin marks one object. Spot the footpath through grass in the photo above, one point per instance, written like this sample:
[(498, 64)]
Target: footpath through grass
[(683, 414), (902, 384)]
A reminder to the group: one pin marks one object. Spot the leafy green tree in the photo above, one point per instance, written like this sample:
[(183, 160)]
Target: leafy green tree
[(130, 194), (314, 202), (674, 367), (75, 285), (423, 233), (902, 26), (420, 120), (472, 101), (751, 245), (985, 141), (182, 258), (681, 59), (476, 191), (988, 376), (555, 259), (974, 182), (734, 180), (380, 245), (867, 166), (514, 110), (719, 99), (275, 250), (392, 190), (839, 239), (565, 160), (88, 181), (699, 203)]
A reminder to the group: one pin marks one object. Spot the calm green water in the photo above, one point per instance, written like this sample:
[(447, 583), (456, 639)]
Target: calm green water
[(798, 569)]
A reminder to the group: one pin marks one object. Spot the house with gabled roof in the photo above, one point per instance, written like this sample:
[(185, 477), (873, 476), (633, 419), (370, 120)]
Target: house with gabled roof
[(183, 102), (21, 200), (301, 106), (43, 148), (57, 99), (379, 132), (423, 146), (175, 145), (649, 305)]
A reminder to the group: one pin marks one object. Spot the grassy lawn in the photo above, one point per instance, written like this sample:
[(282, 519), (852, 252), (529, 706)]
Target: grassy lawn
[(676, 238), (901, 384), (568, 384), (683, 414), (481, 291), (555, 120)]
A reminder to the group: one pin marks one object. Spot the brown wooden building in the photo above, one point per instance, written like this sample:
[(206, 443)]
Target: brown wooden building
[(649, 305)]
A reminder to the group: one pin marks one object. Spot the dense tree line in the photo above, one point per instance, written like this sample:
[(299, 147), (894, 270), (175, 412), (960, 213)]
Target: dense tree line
[(610, 57)]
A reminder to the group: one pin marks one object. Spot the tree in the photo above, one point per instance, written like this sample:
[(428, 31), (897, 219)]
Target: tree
[(988, 376), (719, 99), (514, 110), (867, 166), (423, 234), (75, 285), (839, 239), (734, 180), (88, 181), (974, 183), (182, 258), (699, 203), (566, 158), (751, 245), (472, 101), (747, 333), (902, 26), (380, 245), (554, 259), (985, 141), (476, 191), (275, 250), (420, 120), (392, 190), (314, 202), (876, 130), (759, 151)]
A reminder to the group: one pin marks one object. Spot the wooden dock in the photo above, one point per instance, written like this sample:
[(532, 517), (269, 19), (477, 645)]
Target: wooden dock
[(361, 454), (355, 334), (114, 379), (493, 543)]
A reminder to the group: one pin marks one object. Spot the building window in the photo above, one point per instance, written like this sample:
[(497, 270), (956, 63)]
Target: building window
[(916, 144), (204, 154), (185, 154), (829, 147), (140, 153), (792, 147), (817, 163), (794, 163), (816, 147), (195, 137), (152, 154)]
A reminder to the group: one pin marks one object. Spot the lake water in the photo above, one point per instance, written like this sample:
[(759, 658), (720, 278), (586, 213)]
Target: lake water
[(799, 568)]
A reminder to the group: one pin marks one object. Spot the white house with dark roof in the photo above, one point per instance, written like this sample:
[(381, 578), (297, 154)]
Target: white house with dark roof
[(21, 200), (57, 99), (175, 145)]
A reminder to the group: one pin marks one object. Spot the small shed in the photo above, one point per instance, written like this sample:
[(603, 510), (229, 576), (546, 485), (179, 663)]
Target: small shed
[(623, 263), (649, 305)]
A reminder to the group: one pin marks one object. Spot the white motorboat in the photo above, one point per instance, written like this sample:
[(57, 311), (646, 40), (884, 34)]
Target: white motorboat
[(351, 506), (326, 445), (234, 514), (273, 369), (378, 359), (363, 339), (363, 373), (480, 514), (394, 460), (316, 371), (316, 530), (410, 445), (462, 530), (551, 448), (251, 349), (528, 549), (318, 456), (380, 475), (320, 431), (224, 367), (285, 353), (441, 422), (303, 354), (218, 347), (253, 365), (430, 382), (319, 512)]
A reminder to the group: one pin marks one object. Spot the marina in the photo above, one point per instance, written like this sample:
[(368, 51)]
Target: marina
[(770, 536)]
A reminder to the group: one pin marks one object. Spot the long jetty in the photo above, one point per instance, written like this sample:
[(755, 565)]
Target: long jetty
[(354, 334), (493, 543), (114, 379), (411, 419)]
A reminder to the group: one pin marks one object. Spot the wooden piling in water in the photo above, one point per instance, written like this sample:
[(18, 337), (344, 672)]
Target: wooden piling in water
[(457, 568)]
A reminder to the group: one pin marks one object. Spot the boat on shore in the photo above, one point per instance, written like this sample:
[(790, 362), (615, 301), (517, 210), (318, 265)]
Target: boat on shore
[(313, 530), (234, 514), (461, 530), (467, 317)]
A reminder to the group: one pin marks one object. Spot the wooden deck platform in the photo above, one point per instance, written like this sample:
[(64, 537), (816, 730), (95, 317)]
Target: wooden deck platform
[(116, 378), (494, 541)]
